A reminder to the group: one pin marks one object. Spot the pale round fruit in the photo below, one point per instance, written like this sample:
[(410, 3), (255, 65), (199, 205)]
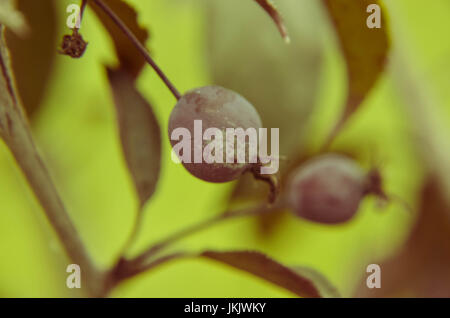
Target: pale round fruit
[(327, 189), (216, 107)]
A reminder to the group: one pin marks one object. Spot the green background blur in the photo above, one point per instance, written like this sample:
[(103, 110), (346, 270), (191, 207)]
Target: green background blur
[(76, 131)]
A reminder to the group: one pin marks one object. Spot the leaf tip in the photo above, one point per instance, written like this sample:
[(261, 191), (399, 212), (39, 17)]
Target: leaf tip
[(269, 7)]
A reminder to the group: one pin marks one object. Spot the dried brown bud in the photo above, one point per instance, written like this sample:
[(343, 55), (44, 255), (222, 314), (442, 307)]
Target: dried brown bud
[(73, 45)]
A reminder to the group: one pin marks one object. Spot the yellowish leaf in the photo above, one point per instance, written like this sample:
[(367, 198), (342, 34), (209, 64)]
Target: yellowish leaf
[(365, 49), (139, 133)]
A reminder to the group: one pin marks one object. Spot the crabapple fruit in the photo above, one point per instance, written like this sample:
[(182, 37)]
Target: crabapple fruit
[(217, 108), (329, 188)]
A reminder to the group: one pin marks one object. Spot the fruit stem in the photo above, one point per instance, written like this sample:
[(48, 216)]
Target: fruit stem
[(83, 6), (271, 180), (138, 45)]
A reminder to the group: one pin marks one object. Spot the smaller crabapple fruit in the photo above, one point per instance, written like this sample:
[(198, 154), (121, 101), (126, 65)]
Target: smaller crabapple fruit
[(329, 189)]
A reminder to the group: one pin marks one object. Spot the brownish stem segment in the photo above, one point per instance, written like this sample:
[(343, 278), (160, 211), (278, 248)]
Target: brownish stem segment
[(138, 45), (270, 179), (82, 8), (275, 15), (15, 131)]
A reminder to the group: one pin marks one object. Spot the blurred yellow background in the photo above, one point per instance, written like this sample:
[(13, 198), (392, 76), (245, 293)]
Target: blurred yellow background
[(76, 131)]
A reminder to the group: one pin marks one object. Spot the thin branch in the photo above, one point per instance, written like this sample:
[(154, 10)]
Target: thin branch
[(154, 249), (276, 17), (124, 271), (138, 45), (15, 131), (136, 227)]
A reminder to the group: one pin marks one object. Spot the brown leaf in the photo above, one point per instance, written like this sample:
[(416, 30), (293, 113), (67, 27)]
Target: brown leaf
[(421, 268), (326, 289), (365, 50), (268, 6), (32, 56), (130, 58), (263, 267), (139, 133)]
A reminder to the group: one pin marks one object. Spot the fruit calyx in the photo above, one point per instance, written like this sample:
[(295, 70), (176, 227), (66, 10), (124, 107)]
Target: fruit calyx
[(374, 185)]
